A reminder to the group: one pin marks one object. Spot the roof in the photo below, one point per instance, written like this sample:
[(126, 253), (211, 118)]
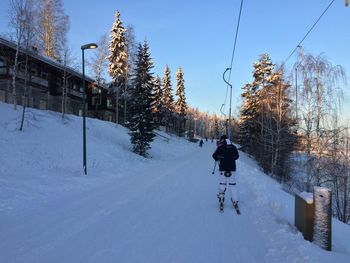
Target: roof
[(47, 60)]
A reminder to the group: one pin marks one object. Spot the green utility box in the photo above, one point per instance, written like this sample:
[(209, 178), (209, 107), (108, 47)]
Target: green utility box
[(304, 214)]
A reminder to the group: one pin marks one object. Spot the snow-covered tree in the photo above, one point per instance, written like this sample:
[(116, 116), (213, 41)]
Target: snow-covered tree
[(118, 60), (180, 105), (142, 118), (157, 100), (168, 99)]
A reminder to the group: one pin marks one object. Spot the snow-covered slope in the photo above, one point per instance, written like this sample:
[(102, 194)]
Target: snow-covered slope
[(131, 209)]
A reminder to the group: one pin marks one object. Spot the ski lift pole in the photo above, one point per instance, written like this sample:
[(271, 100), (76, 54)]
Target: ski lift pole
[(223, 113), (228, 125)]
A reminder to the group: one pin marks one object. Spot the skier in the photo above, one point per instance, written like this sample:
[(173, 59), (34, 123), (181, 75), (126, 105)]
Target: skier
[(227, 154), (201, 143)]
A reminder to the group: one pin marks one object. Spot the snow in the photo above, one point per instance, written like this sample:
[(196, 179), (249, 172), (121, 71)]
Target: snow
[(307, 197), (132, 209)]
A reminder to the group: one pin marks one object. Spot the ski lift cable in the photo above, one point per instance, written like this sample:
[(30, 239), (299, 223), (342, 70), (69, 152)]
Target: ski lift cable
[(236, 36), (308, 32), (233, 52)]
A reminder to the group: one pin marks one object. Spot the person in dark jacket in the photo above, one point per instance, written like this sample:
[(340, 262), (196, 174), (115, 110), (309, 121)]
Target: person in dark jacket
[(201, 143), (227, 154)]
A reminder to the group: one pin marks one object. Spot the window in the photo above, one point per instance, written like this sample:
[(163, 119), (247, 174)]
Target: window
[(109, 103), (44, 75), (96, 101), (42, 105), (59, 82), (34, 70), (95, 90), (2, 62), (2, 66)]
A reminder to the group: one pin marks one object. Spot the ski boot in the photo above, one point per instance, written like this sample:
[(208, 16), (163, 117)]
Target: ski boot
[(235, 206), (221, 197)]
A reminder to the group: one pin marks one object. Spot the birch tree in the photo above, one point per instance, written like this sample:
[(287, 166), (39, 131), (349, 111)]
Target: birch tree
[(320, 95), (28, 41), (52, 28), (100, 60), (68, 61), (131, 45), (18, 20)]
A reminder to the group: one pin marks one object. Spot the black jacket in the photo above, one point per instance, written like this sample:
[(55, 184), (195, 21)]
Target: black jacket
[(227, 154)]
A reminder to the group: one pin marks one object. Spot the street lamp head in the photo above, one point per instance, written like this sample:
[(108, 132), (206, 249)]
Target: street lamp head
[(89, 46)]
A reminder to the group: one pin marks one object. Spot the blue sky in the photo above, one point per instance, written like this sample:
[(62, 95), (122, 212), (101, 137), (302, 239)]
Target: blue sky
[(198, 36)]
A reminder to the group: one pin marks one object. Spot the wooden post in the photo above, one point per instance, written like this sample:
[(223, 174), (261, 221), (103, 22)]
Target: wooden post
[(304, 214)]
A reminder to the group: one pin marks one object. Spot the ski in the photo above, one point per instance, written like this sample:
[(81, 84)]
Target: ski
[(236, 207), (221, 206)]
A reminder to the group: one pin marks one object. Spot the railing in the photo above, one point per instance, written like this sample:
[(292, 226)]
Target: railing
[(33, 79), (75, 93), (164, 138)]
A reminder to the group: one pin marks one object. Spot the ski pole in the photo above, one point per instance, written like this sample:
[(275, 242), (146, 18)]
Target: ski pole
[(214, 168)]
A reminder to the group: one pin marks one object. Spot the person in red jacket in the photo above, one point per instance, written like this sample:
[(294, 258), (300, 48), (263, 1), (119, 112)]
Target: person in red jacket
[(227, 154)]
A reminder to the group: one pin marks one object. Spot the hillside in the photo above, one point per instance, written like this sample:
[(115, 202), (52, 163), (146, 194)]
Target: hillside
[(132, 209)]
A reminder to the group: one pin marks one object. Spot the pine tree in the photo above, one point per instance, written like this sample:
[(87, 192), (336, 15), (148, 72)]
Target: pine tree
[(118, 58), (142, 120), (253, 112), (248, 126), (180, 105), (216, 126), (265, 126), (157, 100), (168, 99)]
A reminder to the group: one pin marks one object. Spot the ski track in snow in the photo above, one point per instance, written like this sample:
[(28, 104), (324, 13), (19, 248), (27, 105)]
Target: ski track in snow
[(159, 210)]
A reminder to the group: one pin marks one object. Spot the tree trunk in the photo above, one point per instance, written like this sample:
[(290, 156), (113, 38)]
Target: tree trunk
[(117, 107), (14, 75), (24, 103)]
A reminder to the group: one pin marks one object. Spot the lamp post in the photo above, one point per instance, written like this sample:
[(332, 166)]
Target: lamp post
[(228, 123), (83, 47)]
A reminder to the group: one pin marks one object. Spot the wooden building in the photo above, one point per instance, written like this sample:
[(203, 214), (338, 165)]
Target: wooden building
[(49, 85)]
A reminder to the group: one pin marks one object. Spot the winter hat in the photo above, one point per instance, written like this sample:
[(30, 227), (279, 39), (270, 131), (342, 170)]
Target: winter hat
[(223, 137)]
